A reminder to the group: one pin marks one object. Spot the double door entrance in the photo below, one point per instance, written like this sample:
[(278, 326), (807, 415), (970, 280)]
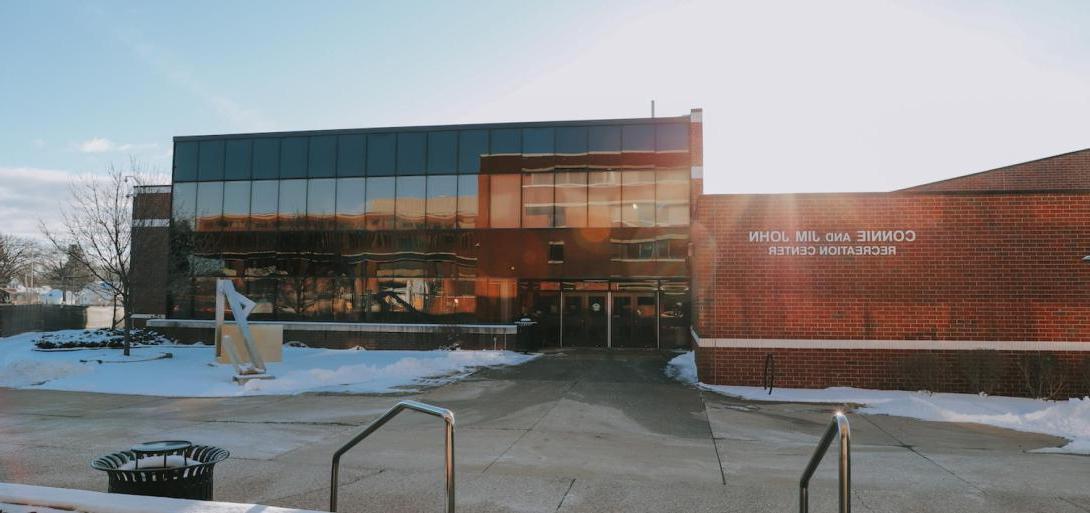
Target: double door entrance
[(609, 319)]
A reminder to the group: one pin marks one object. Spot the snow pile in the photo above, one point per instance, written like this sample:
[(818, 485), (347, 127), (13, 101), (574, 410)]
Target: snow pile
[(191, 373), (1069, 419), (683, 368)]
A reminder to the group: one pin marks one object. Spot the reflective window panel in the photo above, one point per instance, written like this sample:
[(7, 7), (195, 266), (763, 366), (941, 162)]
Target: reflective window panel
[(292, 208), (351, 203), (442, 153), (209, 206), (411, 196), (185, 161), (351, 154), (471, 145), (411, 153), (322, 156), (638, 198), (236, 205), (537, 200), (184, 205), (571, 199), (237, 161), (604, 139), (672, 137), (381, 154), (638, 138), (266, 158), (321, 203), (603, 199), (264, 197), (538, 141), (672, 197), (211, 161), (380, 203), (442, 203), (505, 201), (293, 157), (571, 140), (505, 141), (468, 199)]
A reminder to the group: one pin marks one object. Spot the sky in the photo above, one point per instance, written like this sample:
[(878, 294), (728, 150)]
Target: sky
[(797, 96)]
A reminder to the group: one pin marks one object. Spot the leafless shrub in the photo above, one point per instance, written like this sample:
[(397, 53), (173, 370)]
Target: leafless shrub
[(1043, 375), (923, 370), (982, 369)]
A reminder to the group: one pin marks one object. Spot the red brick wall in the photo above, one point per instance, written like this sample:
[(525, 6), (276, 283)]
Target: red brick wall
[(1070, 171), (982, 267)]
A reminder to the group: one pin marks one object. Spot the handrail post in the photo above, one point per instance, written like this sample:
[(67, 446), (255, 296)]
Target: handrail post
[(443, 413), (838, 426)]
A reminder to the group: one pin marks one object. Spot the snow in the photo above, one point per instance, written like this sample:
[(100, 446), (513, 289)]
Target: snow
[(1069, 419), (192, 373)]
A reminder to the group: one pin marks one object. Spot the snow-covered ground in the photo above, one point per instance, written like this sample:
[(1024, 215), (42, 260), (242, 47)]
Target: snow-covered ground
[(1069, 419), (192, 373)]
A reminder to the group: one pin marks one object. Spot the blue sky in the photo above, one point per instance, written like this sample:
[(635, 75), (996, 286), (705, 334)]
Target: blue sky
[(798, 96)]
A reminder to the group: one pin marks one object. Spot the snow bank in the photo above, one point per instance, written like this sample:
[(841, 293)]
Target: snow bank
[(1069, 419), (191, 373)]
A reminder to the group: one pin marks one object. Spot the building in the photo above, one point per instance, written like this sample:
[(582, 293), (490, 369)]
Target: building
[(388, 237)]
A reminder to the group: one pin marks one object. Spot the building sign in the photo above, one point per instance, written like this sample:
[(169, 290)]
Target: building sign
[(833, 243)]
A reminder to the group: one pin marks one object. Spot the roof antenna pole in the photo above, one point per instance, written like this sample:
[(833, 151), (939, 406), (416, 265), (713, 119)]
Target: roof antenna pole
[(652, 109)]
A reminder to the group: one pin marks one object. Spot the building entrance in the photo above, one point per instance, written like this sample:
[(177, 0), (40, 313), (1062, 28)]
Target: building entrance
[(632, 320), (585, 319)]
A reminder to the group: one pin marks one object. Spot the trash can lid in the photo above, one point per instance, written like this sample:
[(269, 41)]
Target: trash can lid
[(161, 446)]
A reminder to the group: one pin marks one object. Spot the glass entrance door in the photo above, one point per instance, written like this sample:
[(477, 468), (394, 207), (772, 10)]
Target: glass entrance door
[(586, 323), (634, 317)]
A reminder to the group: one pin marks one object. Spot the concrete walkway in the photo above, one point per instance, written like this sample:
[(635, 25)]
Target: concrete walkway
[(570, 432)]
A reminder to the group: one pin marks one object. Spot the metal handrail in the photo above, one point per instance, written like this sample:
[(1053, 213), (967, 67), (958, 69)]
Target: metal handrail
[(445, 414), (839, 425)]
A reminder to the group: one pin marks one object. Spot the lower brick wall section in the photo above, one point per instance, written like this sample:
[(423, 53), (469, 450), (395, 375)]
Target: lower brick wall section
[(890, 369), (366, 340)]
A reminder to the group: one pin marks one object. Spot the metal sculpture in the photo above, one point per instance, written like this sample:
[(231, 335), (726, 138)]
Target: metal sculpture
[(241, 306)]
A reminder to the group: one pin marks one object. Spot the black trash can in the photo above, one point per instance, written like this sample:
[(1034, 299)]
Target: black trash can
[(169, 468), (528, 339)]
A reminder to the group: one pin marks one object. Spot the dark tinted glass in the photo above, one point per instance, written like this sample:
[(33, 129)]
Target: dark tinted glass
[(556, 252), (380, 203), (411, 153), (351, 150), (672, 137), (266, 158), (209, 205), (322, 156), (236, 205), (468, 199), (211, 163), (538, 141), (410, 202), (293, 157), (185, 161), (237, 162), (442, 203), (442, 153), (184, 205), (571, 140), (604, 138), (638, 138), (321, 201), (351, 202), (506, 141), (381, 154), (264, 196), (292, 207), (471, 145)]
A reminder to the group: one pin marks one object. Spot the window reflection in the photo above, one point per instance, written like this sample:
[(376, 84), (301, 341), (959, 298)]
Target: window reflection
[(381, 154), (184, 205), (672, 137), (322, 156), (442, 203), (351, 203), (442, 152), (571, 140), (504, 201), (185, 161), (209, 205), (321, 203), (604, 139), (410, 153), (266, 158), (571, 199), (293, 157), (468, 200), (211, 160), (409, 207), (264, 197), (537, 200), (604, 199), (471, 145), (638, 138), (351, 150), (236, 206), (380, 203), (292, 208), (672, 197), (638, 198), (237, 161)]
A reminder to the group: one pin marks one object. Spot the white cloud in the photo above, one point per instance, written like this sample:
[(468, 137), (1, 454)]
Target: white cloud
[(104, 145), (28, 195)]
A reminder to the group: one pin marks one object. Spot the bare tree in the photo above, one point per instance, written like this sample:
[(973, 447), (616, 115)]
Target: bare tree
[(65, 270), (16, 257), (98, 221)]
